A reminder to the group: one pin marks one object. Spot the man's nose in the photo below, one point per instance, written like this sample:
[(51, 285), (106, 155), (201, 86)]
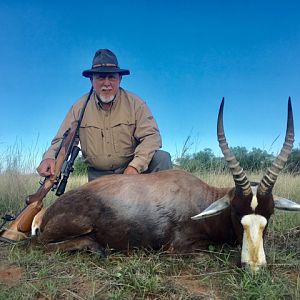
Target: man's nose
[(106, 80)]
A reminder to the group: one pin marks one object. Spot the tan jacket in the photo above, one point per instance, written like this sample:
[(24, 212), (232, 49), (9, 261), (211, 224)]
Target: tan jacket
[(127, 134)]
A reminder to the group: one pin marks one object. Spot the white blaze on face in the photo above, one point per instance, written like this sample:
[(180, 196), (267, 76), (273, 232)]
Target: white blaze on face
[(254, 202), (253, 253)]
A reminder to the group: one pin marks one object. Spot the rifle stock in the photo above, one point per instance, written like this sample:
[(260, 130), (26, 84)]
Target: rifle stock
[(20, 227)]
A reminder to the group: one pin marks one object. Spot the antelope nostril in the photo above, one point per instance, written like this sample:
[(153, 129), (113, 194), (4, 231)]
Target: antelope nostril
[(243, 265), (247, 265)]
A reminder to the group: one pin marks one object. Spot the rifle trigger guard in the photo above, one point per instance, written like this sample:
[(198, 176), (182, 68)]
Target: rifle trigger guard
[(7, 218)]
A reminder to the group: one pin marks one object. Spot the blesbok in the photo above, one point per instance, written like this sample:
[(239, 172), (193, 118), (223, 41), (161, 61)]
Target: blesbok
[(168, 210)]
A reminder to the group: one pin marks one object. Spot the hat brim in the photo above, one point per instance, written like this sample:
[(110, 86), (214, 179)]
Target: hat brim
[(89, 73)]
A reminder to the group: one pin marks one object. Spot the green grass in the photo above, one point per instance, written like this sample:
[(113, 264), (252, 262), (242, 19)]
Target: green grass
[(27, 273)]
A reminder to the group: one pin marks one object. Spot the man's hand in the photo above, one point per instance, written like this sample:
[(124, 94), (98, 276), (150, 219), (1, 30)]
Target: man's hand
[(46, 167), (131, 171)]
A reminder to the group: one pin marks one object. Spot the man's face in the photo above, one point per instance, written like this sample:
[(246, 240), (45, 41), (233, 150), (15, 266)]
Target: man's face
[(106, 85)]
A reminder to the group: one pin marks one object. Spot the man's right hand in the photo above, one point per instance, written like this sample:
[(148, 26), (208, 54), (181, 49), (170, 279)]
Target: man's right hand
[(46, 167)]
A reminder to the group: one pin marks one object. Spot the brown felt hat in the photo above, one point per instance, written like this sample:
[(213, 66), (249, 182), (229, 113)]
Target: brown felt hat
[(105, 61)]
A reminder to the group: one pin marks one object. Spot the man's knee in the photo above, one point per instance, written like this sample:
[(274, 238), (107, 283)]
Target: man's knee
[(94, 173), (161, 161)]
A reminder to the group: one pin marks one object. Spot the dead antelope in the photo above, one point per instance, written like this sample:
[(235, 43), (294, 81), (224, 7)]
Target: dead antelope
[(169, 210)]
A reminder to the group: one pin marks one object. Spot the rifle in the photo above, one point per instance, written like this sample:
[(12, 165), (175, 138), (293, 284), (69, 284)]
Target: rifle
[(65, 156)]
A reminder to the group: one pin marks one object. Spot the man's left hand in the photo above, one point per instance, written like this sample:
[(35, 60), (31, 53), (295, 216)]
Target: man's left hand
[(131, 171)]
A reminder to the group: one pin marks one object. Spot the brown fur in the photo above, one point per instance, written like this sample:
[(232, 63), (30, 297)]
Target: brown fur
[(149, 210)]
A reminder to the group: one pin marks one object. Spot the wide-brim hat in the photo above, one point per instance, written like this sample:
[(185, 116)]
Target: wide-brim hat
[(105, 61)]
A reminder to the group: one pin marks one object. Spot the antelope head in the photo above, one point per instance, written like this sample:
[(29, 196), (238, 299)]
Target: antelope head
[(252, 205)]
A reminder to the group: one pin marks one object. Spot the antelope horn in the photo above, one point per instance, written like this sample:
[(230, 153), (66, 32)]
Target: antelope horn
[(268, 181), (238, 173)]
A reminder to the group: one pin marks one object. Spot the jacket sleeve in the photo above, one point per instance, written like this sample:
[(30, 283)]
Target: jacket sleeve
[(148, 137), (55, 143)]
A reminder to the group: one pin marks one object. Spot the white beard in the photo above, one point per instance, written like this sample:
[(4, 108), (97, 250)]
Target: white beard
[(106, 99)]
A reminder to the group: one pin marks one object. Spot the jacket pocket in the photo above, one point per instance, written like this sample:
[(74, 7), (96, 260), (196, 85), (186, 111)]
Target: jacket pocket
[(123, 137), (91, 140)]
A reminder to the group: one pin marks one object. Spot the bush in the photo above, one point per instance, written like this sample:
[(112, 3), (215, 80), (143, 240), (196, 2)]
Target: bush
[(293, 163), (255, 160), (201, 161), (80, 167)]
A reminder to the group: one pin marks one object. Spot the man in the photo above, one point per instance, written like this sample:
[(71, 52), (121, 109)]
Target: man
[(118, 133)]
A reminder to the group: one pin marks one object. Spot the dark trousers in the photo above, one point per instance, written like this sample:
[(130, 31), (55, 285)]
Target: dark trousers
[(161, 160)]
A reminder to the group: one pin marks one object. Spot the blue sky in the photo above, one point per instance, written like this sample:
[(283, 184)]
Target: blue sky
[(184, 56)]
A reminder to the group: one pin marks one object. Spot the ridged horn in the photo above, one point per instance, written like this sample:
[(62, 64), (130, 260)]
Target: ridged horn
[(238, 173), (267, 183)]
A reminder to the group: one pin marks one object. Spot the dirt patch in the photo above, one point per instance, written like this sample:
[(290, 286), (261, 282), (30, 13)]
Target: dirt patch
[(81, 287), (197, 288), (10, 275), (294, 275)]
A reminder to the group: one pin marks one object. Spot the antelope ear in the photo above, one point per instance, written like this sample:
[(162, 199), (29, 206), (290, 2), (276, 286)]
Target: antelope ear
[(286, 204), (214, 209)]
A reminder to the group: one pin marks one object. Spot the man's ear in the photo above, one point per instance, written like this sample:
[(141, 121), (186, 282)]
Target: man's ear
[(120, 78)]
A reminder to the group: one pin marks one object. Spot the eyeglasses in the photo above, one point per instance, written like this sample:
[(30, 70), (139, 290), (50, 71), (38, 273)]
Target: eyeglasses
[(102, 76)]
